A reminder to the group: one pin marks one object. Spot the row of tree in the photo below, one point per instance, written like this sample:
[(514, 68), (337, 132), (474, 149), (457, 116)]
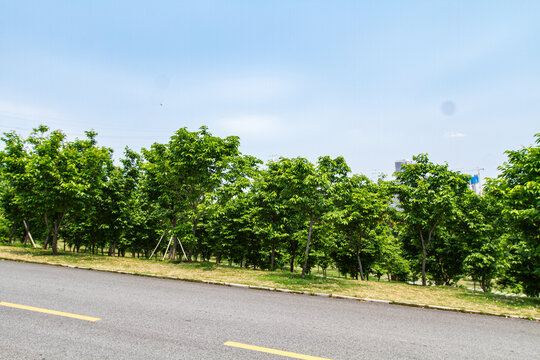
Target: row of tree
[(206, 200)]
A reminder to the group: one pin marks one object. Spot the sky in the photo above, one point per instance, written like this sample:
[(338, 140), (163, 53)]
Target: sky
[(373, 81)]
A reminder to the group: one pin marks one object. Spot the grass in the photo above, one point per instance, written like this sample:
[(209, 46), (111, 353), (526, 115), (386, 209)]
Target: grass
[(456, 297)]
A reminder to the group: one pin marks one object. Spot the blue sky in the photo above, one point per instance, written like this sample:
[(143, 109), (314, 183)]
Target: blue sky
[(372, 81)]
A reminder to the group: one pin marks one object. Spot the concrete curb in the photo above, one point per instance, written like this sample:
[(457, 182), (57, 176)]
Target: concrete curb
[(254, 287)]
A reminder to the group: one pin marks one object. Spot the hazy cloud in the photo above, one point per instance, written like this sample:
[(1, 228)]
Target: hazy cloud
[(453, 134)]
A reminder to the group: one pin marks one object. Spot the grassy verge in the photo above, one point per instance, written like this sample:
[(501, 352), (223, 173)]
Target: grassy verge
[(393, 291)]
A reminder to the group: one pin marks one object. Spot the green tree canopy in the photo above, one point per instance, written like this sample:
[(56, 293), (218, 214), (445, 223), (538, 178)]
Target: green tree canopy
[(427, 194)]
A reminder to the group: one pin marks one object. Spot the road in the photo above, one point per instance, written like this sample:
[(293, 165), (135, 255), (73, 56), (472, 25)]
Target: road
[(146, 318)]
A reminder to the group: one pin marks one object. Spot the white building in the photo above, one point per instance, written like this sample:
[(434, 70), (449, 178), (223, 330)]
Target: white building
[(400, 163)]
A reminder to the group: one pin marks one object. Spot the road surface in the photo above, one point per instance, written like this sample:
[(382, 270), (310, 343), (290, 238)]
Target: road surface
[(146, 318)]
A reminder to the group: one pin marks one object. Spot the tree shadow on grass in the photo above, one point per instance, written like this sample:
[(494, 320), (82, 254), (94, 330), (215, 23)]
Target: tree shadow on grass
[(296, 279), (521, 302), (203, 265)]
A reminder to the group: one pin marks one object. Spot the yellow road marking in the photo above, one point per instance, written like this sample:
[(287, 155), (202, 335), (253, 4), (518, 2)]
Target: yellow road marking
[(273, 351), (52, 312)]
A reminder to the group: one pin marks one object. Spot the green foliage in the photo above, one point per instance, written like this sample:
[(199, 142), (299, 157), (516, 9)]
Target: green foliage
[(428, 195), (360, 206), (182, 175), (486, 234), (198, 191), (518, 190), (53, 179)]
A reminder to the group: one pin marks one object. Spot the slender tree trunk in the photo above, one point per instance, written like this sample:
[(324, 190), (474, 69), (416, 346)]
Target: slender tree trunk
[(47, 239), (359, 262), (272, 257), (424, 249), (293, 255), (112, 248), (174, 249), (423, 266), (13, 228), (194, 234), (25, 236), (424, 253), (307, 246), (54, 244)]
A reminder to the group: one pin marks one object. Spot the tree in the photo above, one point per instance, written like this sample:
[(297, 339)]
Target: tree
[(301, 192), (360, 205), (15, 185), (427, 196), (270, 208), (307, 190), (182, 174), (63, 175), (518, 189), (485, 235)]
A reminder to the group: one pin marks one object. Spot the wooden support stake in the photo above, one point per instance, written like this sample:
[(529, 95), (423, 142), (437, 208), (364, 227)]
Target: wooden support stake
[(181, 247), (29, 235), (159, 242), (167, 250)]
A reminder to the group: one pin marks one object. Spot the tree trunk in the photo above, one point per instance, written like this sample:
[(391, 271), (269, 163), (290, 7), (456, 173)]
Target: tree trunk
[(423, 265), (194, 234), (112, 248), (172, 254), (54, 244), (25, 237), (13, 228), (47, 239), (359, 263), (293, 256), (424, 253), (272, 257), (307, 246)]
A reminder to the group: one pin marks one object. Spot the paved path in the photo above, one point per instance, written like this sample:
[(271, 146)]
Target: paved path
[(145, 318)]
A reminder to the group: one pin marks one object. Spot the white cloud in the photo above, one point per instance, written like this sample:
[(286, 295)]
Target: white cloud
[(453, 134)]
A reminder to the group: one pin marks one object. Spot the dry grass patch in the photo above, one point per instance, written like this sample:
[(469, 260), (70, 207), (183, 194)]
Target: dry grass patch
[(393, 291)]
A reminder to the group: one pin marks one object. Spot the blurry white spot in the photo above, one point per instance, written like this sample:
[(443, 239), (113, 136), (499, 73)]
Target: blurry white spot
[(453, 134), (448, 108)]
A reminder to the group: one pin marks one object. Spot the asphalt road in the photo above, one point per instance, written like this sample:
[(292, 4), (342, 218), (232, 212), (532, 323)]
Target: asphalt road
[(145, 318)]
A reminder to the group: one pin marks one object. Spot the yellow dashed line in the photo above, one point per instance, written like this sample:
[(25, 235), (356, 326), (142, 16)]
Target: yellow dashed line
[(52, 312), (273, 351)]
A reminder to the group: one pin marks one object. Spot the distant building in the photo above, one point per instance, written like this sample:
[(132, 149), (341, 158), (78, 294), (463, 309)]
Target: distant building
[(400, 163), (474, 184)]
